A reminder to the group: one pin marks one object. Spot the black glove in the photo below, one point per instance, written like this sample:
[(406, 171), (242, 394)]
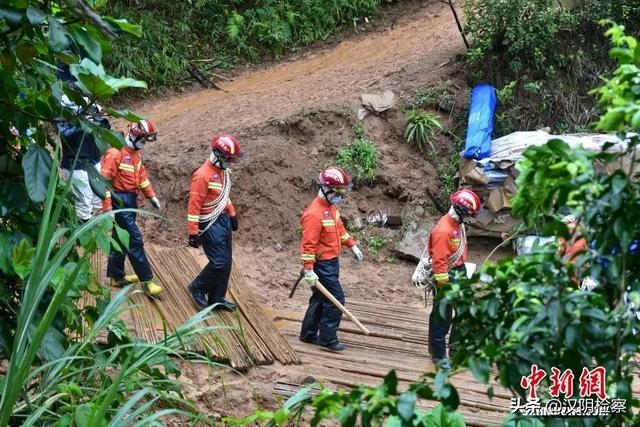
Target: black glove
[(234, 223), (194, 241)]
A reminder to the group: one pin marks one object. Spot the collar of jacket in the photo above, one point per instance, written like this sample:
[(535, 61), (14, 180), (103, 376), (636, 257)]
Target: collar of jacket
[(323, 201)]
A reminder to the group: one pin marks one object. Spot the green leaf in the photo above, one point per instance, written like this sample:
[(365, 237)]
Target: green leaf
[(480, 369), (125, 114), (35, 16), (407, 405), (90, 45), (58, 35), (123, 236), (391, 382), (25, 52), (82, 414), (22, 258), (36, 164), (11, 15), (125, 26)]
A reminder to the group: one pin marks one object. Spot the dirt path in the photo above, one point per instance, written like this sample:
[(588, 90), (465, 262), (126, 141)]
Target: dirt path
[(403, 55)]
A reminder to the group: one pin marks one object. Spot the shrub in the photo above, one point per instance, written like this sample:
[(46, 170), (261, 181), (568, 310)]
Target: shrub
[(359, 159), (420, 127)]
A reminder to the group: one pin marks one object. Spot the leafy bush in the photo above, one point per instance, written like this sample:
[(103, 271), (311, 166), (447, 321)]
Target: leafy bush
[(421, 127), (521, 33), (360, 158)]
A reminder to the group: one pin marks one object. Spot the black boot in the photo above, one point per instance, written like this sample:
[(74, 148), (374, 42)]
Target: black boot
[(199, 296), (335, 347)]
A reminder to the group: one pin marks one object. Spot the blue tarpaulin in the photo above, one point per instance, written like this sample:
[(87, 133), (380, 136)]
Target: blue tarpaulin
[(481, 111)]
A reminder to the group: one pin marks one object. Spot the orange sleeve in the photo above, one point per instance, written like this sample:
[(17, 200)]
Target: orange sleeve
[(311, 228), (197, 194), (439, 252), (109, 168), (144, 184), (345, 237)]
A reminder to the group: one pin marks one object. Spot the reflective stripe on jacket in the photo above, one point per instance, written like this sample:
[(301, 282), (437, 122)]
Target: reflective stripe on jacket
[(206, 185), (444, 241), (127, 174), (323, 233)]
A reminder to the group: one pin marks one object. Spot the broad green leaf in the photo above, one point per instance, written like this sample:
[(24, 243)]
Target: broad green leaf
[(125, 114), (125, 26), (123, 236), (122, 83), (407, 405), (90, 45), (58, 36), (82, 414), (10, 15), (480, 369), (391, 382), (35, 16), (25, 52), (36, 164)]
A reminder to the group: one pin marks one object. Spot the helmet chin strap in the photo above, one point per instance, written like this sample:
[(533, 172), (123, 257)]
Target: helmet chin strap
[(129, 142), (457, 213), (217, 162)]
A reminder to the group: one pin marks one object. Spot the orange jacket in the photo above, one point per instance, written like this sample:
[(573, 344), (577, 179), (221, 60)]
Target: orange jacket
[(127, 174), (323, 233), (206, 186), (572, 247), (444, 241)]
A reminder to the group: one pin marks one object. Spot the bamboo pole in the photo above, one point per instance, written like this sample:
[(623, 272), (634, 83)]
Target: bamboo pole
[(341, 307)]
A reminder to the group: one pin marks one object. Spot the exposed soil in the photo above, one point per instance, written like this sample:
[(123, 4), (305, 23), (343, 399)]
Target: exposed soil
[(291, 119)]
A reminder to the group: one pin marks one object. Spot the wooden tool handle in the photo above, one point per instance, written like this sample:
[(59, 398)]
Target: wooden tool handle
[(341, 307)]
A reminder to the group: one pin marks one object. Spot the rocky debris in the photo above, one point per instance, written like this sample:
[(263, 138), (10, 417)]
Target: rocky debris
[(363, 206), (413, 241)]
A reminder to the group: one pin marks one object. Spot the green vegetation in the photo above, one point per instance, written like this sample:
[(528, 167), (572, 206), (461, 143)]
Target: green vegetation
[(439, 96), (360, 158), (420, 128), (59, 373), (553, 51), (375, 244), (210, 34)]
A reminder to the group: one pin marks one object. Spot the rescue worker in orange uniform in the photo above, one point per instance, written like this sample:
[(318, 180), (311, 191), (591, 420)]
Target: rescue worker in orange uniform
[(577, 243), (211, 219), (323, 234), (448, 252), (570, 249), (128, 176)]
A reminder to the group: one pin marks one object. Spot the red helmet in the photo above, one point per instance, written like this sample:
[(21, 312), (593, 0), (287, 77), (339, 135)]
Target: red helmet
[(466, 200), (226, 146), (335, 177), (146, 130)]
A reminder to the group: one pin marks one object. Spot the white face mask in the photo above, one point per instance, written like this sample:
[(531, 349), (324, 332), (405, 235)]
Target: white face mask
[(139, 145)]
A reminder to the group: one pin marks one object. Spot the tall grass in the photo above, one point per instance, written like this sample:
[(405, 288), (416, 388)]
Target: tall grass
[(122, 382)]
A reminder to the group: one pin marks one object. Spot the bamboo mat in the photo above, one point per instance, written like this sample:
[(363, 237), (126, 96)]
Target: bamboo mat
[(398, 341), (242, 339)]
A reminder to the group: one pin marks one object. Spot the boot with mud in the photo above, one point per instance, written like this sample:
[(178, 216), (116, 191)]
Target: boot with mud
[(129, 279), (152, 289)]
